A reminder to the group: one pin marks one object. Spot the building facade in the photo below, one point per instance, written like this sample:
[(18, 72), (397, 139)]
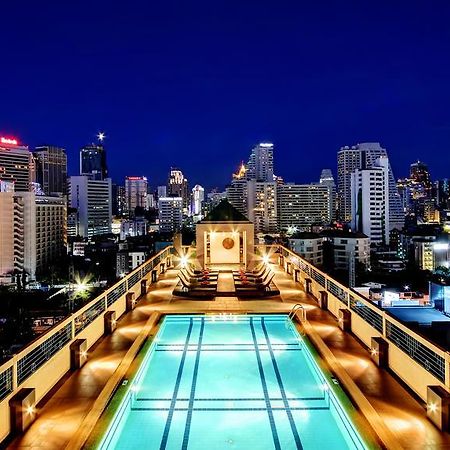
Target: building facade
[(32, 233), (302, 205), (16, 164), (51, 169), (92, 201), (364, 156), (170, 214), (308, 246), (93, 162), (136, 189), (370, 201), (260, 163), (262, 206)]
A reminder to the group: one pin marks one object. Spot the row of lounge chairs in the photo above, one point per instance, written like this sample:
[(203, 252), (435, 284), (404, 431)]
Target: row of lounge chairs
[(257, 282), (202, 284), (198, 284)]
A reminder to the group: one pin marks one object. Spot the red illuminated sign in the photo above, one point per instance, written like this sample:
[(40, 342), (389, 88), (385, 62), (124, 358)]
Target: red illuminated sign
[(136, 178), (9, 141)]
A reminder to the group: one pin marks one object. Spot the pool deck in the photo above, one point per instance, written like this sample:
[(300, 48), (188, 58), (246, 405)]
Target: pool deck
[(64, 409)]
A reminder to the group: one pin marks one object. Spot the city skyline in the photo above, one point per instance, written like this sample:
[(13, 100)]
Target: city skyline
[(194, 86)]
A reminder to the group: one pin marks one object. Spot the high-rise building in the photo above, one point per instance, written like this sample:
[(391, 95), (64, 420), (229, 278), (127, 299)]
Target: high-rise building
[(118, 199), (162, 191), (51, 169), (93, 162), (327, 179), (32, 233), (369, 200), (364, 156), (170, 214), (443, 193), (16, 164), (262, 206), (260, 163), (236, 192), (302, 205), (198, 196), (177, 186), (136, 189), (92, 200)]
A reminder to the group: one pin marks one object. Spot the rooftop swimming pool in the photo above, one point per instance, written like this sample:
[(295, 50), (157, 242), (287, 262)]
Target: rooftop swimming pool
[(245, 382)]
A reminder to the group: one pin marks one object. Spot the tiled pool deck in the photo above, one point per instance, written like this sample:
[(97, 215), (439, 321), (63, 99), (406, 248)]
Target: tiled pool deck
[(61, 415)]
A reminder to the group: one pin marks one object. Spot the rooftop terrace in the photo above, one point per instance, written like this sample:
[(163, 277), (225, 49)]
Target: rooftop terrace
[(70, 410)]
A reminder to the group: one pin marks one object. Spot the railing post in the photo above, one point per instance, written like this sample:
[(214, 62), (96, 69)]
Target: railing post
[(14, 373)]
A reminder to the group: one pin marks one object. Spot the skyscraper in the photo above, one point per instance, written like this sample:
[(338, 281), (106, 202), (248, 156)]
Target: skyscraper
[(369, 200), (327, 179), (92, 200), (364, 156), (198, 196), (237, 191), (51, 169), (32, 233), (170, 214), (260, 163), (16, 164), (302, 205), (262, 205), (177, 186), (93, 162), (136, 189)]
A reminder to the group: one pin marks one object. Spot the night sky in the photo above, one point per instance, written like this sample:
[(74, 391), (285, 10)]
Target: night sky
[(196, 84)]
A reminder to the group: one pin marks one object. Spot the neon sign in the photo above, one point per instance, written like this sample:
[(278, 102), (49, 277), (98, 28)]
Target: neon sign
[(10, 141)]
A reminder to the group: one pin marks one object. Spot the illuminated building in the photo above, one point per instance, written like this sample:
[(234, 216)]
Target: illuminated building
[(93, 162), (236, 192), (33, 233), (198, 196), (92, 200), (370, 205), (135, 194), (177, 186), (16, 164), (364, 156), (51, 169), (308, 246), (262, 206), (302, 205), (127, 260), (260, 163), (170, 214), (118, 199)]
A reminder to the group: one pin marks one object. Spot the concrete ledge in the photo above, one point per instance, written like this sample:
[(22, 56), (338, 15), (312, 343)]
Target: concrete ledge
[(383, 433), (87, 426)]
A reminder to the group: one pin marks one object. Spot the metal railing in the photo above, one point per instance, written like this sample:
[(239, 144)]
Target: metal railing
[(431, 357), (31, 358)]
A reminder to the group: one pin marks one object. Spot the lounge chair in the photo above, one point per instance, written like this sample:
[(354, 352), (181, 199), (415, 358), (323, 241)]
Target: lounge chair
[(261, 274), (195, 282), (258, 289), (253, 281), (199, 291), (212, 276), (258, 269)]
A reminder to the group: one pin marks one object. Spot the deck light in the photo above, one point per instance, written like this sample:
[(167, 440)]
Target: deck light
[(184, 260), (30, 410), (432, 407), (373, 351), (84, 353), (266, 259)]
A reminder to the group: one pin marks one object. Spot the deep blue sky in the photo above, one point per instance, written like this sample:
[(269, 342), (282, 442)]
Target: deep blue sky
[(196, 84)]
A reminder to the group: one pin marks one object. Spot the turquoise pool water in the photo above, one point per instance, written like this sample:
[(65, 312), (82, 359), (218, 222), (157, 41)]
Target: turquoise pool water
[(230, 382)]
